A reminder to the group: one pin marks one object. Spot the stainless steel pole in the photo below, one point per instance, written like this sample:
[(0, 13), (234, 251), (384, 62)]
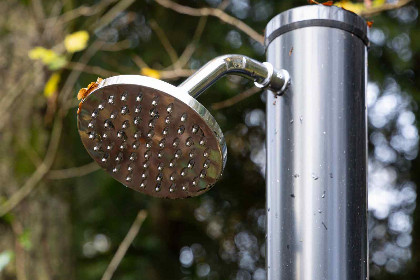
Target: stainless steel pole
[(316, 146)]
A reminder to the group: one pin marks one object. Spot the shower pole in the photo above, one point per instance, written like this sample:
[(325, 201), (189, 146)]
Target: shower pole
[(317, 146)]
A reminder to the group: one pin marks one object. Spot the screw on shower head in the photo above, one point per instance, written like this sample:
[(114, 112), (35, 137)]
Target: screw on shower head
[(157, 138)]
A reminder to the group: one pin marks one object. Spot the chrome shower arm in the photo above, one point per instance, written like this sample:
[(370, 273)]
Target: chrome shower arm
[(263, 74)]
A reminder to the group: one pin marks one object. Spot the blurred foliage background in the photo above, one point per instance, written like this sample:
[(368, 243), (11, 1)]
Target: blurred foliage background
[(62, 218)]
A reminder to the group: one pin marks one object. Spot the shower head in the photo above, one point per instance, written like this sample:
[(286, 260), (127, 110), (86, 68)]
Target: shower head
[(152, 137), (157, 138)]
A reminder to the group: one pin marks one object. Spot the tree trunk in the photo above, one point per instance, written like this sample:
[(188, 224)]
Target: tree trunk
[(35, 236)]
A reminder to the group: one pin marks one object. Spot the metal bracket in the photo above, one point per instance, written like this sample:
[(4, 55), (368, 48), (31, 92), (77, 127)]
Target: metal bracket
[(277, 80)]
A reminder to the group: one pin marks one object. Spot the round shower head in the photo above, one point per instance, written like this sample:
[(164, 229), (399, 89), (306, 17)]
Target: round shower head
[(152, 137)]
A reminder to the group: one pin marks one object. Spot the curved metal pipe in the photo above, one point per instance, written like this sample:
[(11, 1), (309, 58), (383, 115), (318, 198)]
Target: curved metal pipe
[(263, 74)]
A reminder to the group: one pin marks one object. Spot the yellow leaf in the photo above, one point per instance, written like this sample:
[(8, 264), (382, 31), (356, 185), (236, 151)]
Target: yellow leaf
[(150, 72), (52, 85), (36, 53), (356, 8), (378, 3), (48, 57), (45, 55), (76, 41)]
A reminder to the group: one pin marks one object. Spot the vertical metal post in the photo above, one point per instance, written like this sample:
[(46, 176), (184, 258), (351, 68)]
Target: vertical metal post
[(316, 146)]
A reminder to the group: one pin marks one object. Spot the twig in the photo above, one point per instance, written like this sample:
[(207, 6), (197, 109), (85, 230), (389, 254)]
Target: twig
[(122, 249), (73, 14), (237, 98), (190, 49), (116, 47), (73, 172), (31, 153), (164, 40), (215, 13), (10, 96), (385, 7), (165, 74), (112, 13), (38, 10), (49, 25), (80, 11), (40, 172), (139, 61), (96, 70), (175, 74), (19, 251)]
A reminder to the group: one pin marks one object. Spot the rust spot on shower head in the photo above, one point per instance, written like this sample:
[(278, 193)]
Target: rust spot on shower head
[(84, 92)]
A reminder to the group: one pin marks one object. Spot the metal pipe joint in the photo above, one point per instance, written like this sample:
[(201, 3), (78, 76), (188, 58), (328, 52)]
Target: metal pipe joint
[(263, 74)]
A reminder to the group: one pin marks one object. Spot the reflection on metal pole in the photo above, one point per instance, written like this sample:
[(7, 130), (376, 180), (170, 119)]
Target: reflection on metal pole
[(316, 146)]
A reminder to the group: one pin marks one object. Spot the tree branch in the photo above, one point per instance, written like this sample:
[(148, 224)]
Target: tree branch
[(139, 61), (19, 250), (112, 13), (116, 47), (175, 74), (96, 70), (31, 153), (83, 10), (235, 99), (9, 97), (125, 244), (198, 12), (73, 172), (40, 172), (164, 41), (190, 49)]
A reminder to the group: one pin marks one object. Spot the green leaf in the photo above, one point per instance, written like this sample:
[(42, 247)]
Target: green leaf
[(25, 239), (57, 63)]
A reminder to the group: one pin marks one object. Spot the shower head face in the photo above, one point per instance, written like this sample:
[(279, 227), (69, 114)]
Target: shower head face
[(152, 137)]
